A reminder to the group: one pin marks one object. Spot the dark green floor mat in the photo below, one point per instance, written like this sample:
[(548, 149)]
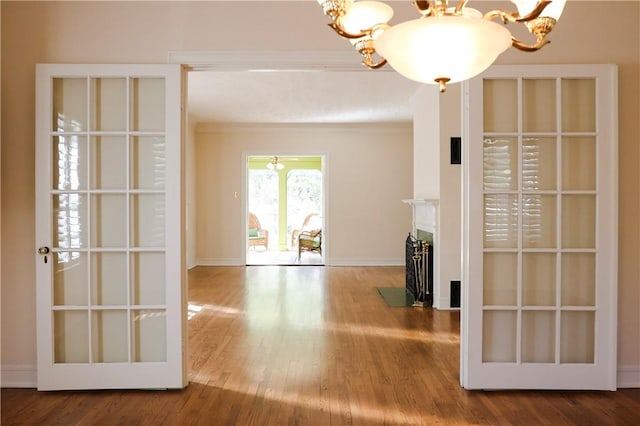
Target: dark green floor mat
[(396, 296)]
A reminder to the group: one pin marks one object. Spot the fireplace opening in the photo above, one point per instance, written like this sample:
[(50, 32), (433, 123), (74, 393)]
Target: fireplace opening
[(419, 267)]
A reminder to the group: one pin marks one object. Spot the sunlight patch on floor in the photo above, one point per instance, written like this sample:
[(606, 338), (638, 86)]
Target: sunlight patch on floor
[(394, 333), (328, 326), (366, 412), (226, 311)]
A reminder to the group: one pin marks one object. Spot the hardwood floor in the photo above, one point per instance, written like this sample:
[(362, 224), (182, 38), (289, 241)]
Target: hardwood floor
[(311, 345)]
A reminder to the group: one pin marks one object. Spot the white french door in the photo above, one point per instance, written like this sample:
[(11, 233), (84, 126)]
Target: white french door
[(110, 266), (540, 228)]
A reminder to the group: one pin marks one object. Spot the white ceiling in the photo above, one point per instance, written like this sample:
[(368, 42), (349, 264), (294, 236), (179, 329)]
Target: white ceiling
[(299, 96)]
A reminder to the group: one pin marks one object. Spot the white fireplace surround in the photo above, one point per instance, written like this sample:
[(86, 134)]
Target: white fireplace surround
[(425, 218)]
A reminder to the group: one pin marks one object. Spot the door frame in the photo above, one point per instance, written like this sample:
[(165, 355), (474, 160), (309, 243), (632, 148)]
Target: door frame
[(234, 61), (244, 205)]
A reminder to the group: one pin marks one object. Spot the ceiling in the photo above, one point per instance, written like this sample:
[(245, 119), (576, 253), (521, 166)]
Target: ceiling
[(282, 96)]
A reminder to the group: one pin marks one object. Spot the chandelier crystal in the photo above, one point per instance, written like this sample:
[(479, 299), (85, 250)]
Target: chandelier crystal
[(445, 44)]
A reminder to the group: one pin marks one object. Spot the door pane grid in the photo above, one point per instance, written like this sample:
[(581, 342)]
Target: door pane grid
[(538, 204), (82, 126), (557, 317)]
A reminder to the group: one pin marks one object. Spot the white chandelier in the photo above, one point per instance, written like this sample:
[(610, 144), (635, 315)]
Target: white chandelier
[(444, 45), (274, 165)]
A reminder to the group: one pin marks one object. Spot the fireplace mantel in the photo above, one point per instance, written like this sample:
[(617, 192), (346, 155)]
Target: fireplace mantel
[(425, 215)]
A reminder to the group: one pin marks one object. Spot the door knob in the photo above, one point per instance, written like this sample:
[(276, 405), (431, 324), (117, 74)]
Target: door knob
[(44, 251)]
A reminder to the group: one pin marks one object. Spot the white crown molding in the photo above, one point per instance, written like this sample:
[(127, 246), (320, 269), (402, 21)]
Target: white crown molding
[(390, 127), (211, 60)]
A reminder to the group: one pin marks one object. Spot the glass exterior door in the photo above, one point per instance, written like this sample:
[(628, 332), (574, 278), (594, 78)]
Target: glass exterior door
[(109, 268), (541, 236)]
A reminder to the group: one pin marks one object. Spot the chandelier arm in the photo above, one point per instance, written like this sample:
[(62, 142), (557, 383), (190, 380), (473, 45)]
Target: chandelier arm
[(342, 33), (423, 6), (542, 4), (461, 4), (514, 16), (374, 66), (529, 47)]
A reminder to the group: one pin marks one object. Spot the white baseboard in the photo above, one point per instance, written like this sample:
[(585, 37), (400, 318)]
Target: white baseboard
[(25, 376), (328, 262), (220, 262), (629, 376), (19, 376), (365, 262), (444, 304)]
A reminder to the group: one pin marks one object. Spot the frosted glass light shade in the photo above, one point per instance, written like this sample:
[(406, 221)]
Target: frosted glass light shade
[(453, 47), (553, 10), (363, 15)]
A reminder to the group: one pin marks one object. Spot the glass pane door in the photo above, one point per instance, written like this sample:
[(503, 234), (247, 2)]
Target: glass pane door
[(106, 235), (541, 233)]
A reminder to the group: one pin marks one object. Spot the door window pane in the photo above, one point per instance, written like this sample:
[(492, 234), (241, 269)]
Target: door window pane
[(69, 220), (108, 220), (149, 329), (147, 220), (577, 331), (500, 279), (500, 166), (109, 336), (579, 221), (71, 337), (109, 278), (69, 166), (499, 336), (500, 221), (539, 164), (538, 336), (578, 279), (539, 221), (69, 278), (148, 278), (147, 104), (109, 104), (578, 104), (148, 162), (538, 279), (500, 106), (108, 162), (69, 104), (539, 105), (579, 163)]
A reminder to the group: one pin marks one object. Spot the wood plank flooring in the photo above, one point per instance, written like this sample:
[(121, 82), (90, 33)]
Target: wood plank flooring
[(313, 345)]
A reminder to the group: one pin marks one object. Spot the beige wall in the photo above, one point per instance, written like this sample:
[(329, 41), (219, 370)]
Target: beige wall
[(143, 32), (435, 178), (369, 173), (426, 148), (190, 193)]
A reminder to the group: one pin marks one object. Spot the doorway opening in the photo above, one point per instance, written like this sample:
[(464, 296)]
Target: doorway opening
[(285, 210)]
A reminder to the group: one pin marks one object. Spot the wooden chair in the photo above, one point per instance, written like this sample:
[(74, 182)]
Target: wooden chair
[(257, 235), (310, 241), (311, 223)]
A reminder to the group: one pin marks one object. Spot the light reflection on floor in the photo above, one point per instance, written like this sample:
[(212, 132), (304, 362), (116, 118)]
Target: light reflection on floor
[(360, 410), (285, 325), (262, 318)]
